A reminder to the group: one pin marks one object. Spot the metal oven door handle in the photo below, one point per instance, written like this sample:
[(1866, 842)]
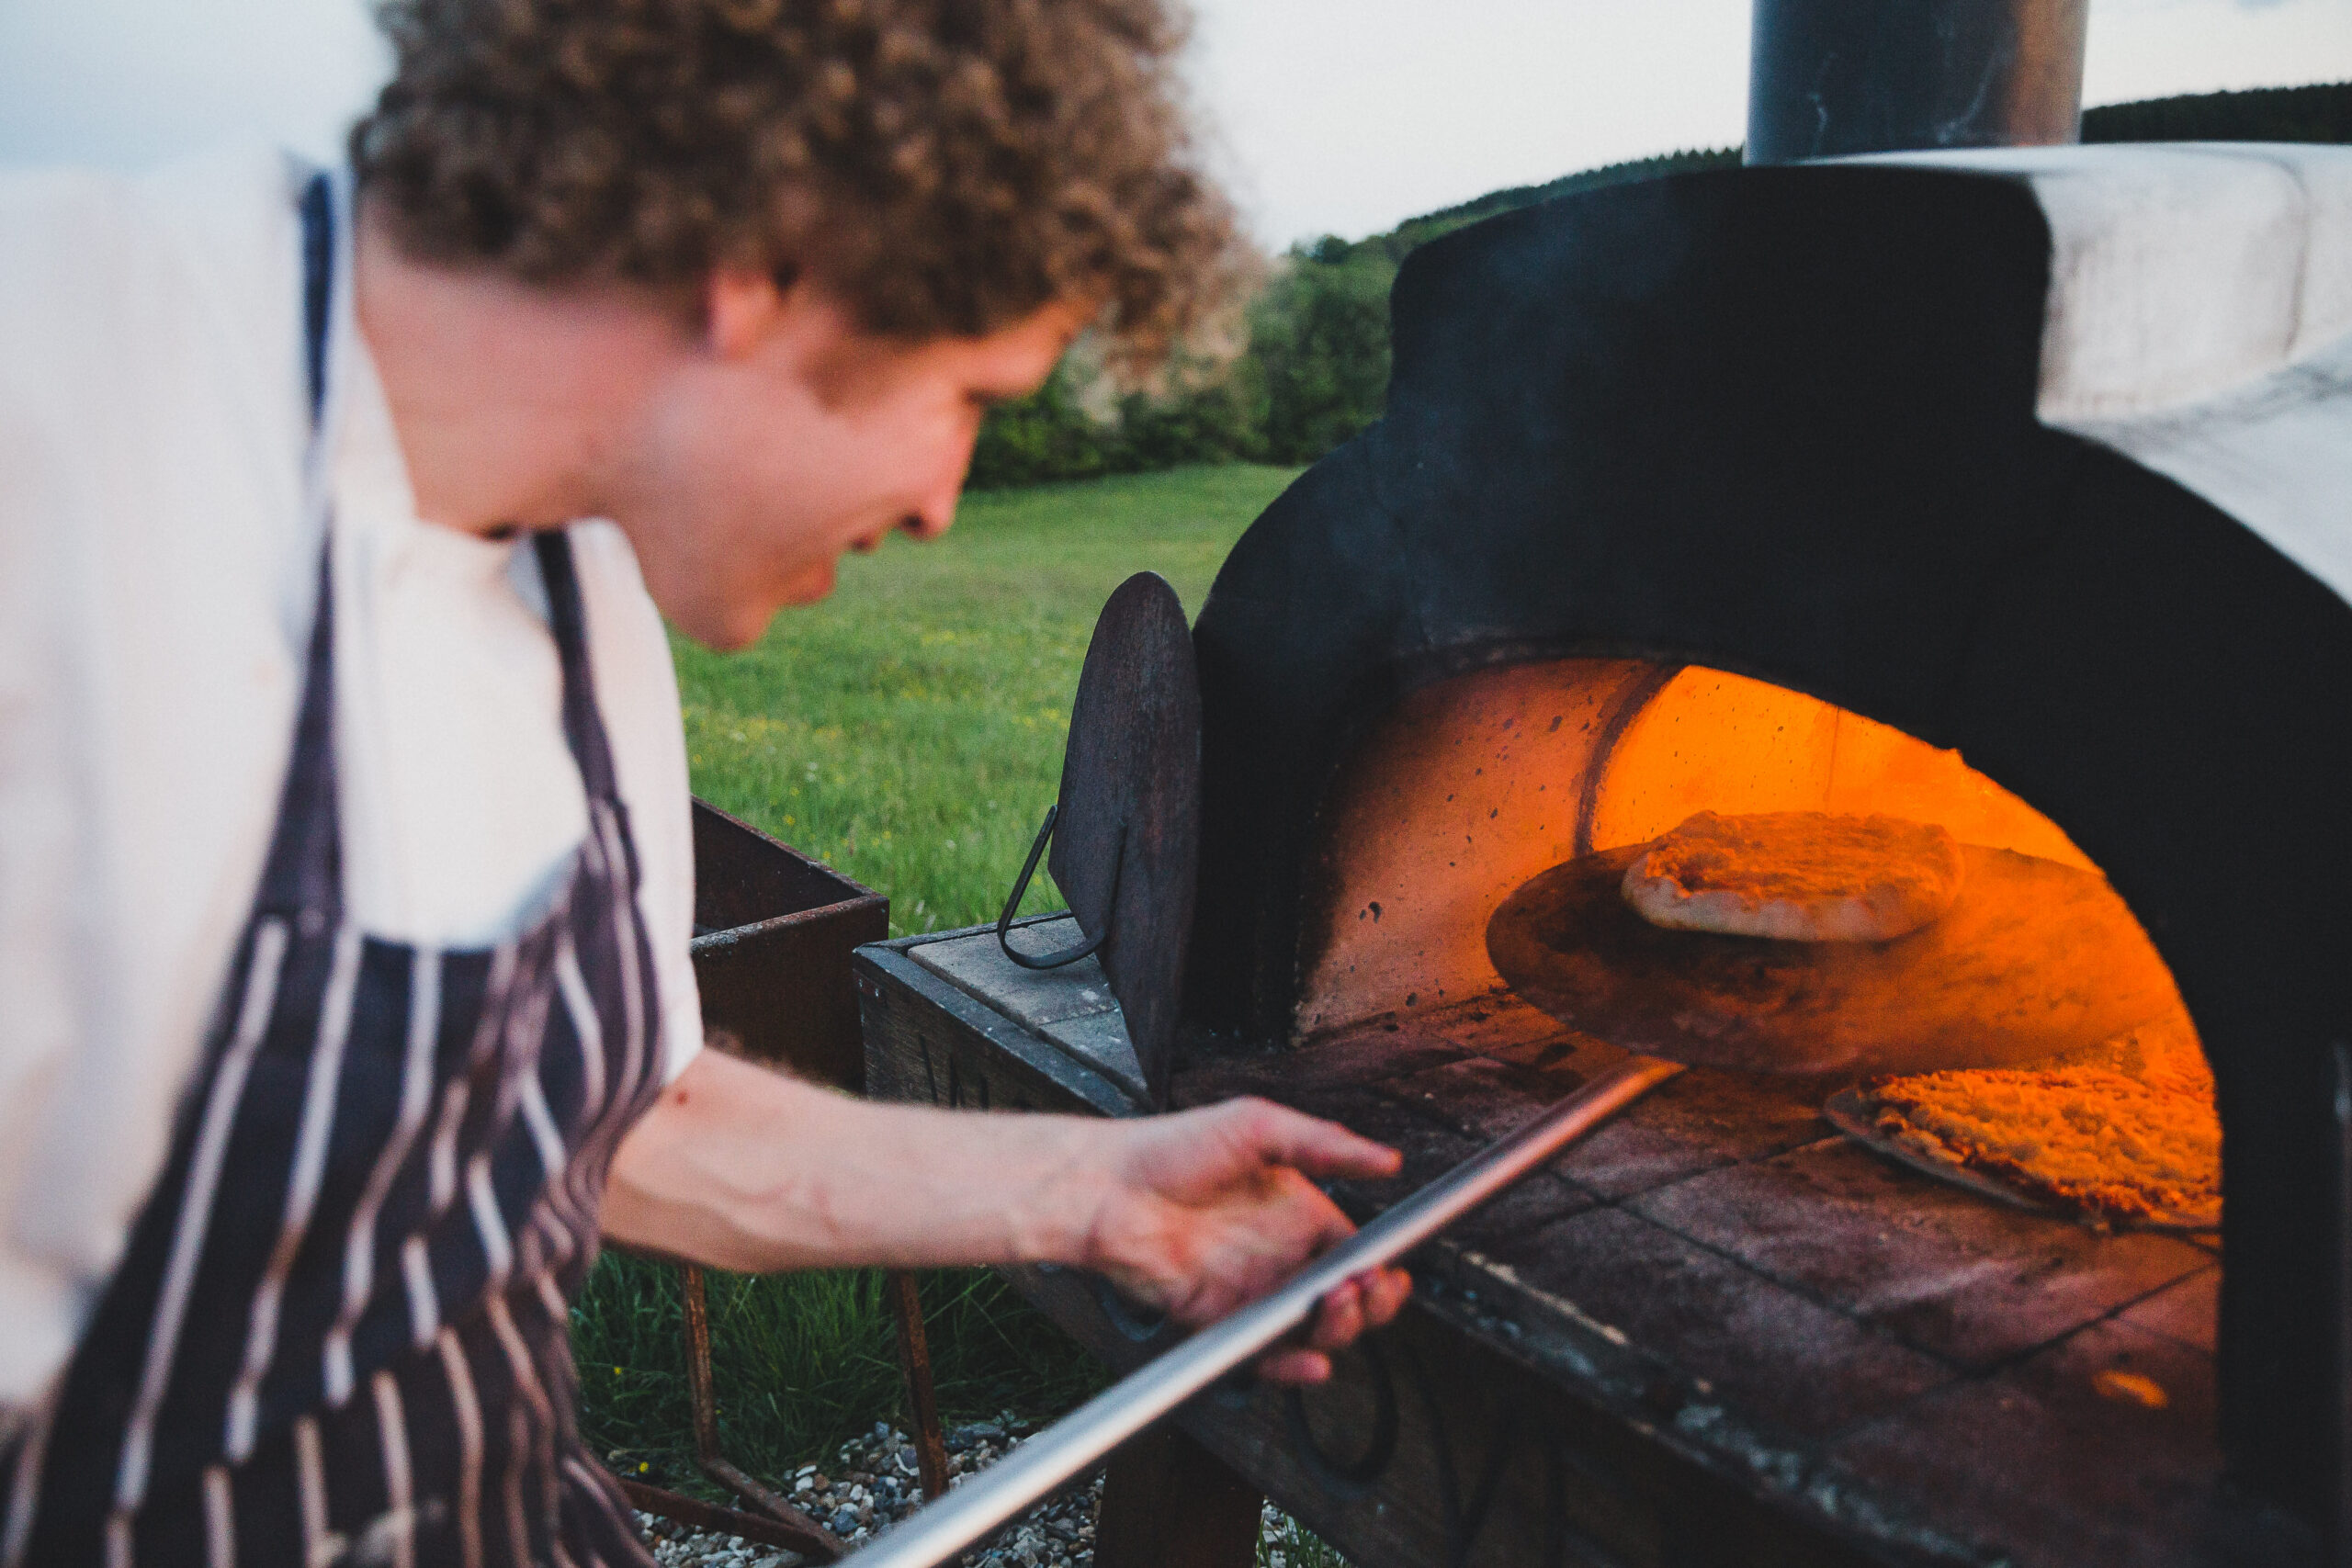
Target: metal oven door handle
[(1135, 1324)]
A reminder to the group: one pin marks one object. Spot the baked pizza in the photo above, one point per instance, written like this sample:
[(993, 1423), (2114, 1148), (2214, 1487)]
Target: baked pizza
[(2125, 1135), (1797, 876)]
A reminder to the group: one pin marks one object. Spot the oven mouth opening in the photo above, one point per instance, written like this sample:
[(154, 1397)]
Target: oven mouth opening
[(2020, 1036)]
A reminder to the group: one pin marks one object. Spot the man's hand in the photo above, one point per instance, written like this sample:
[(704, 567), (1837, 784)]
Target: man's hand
[(1204, 1212), (1194, 1213)]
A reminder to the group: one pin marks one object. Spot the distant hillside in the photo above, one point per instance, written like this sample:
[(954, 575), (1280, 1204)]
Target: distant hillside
[(2322, 113), (1317, 369), (1430, 225)]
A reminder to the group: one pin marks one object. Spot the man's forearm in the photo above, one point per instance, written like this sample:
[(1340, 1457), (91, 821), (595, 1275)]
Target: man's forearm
[(1195, 1212), (744, 1168)]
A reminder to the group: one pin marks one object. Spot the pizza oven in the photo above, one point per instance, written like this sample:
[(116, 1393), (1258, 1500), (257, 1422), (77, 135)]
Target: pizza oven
[(2002, 488), (2010, 491)]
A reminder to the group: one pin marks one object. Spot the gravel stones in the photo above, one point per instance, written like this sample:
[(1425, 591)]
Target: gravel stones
[(874, 1484), (875, 1481)]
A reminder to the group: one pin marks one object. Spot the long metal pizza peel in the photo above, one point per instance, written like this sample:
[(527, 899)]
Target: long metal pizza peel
[(1066, 1450), (2035, 959)]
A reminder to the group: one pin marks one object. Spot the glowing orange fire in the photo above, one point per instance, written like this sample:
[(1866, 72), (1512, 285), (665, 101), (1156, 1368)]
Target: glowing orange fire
[(1472, 787)]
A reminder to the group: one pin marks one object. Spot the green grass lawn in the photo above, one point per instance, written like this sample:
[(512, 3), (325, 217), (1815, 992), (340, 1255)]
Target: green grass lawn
[(910, 732)]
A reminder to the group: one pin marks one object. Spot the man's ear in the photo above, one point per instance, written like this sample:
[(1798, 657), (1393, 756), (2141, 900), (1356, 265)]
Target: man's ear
[(740, 306)]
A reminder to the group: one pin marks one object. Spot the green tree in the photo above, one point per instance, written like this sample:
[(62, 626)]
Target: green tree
[(1046, 436), (1206, 413), (1319, 334)]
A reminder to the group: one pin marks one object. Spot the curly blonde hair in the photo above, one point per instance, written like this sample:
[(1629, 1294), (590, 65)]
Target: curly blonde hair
[(943, 166)]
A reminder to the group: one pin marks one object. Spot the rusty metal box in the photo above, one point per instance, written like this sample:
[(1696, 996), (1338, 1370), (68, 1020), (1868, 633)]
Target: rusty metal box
[(772, 934)]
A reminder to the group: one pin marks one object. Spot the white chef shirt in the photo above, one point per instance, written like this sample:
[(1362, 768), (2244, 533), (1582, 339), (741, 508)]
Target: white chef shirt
[(157, 568)]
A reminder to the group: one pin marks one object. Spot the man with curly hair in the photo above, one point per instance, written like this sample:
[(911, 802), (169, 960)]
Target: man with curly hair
[(344, 868)]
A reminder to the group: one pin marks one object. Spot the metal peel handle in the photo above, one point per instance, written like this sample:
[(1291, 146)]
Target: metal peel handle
[(1072, 1445)]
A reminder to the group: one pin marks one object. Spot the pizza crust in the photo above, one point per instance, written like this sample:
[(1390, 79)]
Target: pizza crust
[(2124, 1136), (1797, 876)]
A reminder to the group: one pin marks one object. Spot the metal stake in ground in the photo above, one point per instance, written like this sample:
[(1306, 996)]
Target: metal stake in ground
[(940, 1530)]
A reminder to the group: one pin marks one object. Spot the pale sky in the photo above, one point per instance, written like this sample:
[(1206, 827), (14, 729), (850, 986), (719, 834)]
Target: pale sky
[(1325, 116)]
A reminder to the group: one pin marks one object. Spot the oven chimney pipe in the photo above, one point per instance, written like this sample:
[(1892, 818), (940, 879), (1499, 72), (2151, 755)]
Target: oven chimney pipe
[(1830, 77)]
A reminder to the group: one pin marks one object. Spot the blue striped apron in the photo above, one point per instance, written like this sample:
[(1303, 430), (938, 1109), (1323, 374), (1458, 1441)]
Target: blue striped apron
[(338, 1333)]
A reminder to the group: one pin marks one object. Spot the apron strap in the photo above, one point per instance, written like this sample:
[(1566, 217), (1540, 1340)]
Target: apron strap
[(304, 871), (318, 293), (584, 725)]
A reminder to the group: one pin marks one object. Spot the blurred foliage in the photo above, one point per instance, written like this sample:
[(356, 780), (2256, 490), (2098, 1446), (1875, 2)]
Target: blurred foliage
[(1319, 339), (1203, 413)]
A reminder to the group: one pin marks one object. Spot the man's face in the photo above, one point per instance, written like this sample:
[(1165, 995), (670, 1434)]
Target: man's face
[(787, 435)]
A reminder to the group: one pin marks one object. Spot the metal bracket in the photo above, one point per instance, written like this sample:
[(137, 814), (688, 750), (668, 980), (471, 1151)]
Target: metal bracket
[(1355, 1478), (1140, 1325), (1067, 955)]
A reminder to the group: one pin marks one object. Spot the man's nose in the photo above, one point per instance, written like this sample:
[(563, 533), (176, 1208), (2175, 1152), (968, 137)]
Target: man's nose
[(935, 516)]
